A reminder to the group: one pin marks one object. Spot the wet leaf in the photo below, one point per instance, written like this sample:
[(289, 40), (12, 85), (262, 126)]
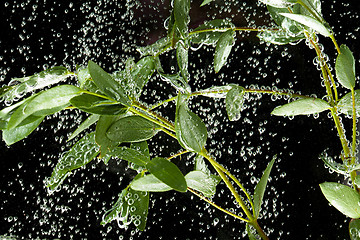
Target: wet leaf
[(177, 81), (181, 14), (116, 209), (101, 138), (190, 129), (202, 182), (132, 129), (160, 46), (131, 155), (83, 75), (205, 2), (107, 84), (223, 49), (343, 198), (40, 80), (142, 148), (216, 91), (345, 105), (309, 22), (97, 105), (140, 75), (279, 3), (183, 60), (84, 125), (140, 208), (278, 37), (45, 103), (345, 67), (168, 173), (79, 155), (149, 183), (354, 229), (260, 188), (234, 102), (20, 132), (301, 107), (131, 206), (218, 27)]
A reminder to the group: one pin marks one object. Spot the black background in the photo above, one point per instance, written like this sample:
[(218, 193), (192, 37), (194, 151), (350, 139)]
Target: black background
[(38, 34)]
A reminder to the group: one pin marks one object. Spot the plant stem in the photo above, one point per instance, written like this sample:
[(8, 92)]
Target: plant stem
[(256, 225), (224, 29), (216, 206), (222, 171), (354, 127), (177, 154), (335, 43)]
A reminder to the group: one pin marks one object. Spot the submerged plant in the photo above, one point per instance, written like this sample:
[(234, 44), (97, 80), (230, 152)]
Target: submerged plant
[(124, 123)]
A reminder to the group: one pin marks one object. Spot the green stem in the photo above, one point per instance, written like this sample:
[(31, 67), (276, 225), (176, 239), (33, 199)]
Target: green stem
[(222, 171), (261, 233), (335, 43), (133, 110), (177, 154), (169, 125), (217, 206), (224, 29), (354, 126)]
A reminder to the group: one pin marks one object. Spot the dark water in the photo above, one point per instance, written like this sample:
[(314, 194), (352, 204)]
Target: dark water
[(39, 34)]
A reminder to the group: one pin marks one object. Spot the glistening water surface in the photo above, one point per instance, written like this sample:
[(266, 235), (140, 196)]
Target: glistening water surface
[(38, 34)]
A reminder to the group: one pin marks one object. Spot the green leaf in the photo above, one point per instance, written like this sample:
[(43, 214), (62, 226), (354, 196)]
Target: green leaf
[(279, 3), (354, 229), (97, 105), (139, 208), (289, 27), (345, 67), (218, 27), (183, 60), (234, 102), (279, 37), (216, 91), (20, 132), (131, 206), (160, 46), (84, 125), (250, 233), (177, 81), (309, 22), (141, 73), (205, 2), (107, 84), (131, 155), (132, 129), (83, 76), (168, 173), (260, 188), (117, 209), (181, 14), (202, 182), (149, 183), (200, 164), (142, 148), (190, 129), (343, 198), (40, 80), (223, 49), (79, 155), (345, 105), (301, 107), (101, 138), (45, 103)]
